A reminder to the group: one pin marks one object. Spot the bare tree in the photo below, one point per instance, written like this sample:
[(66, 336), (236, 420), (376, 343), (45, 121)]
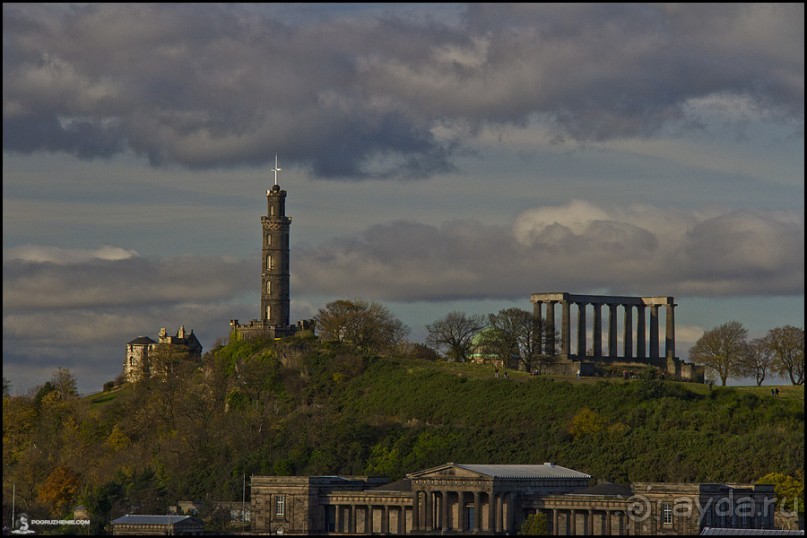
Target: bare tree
[(370, 326), (517, 332), (757, 361), (454, 334), (787, 346), (722, 350)]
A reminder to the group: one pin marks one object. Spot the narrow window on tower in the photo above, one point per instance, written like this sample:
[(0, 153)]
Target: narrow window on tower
[(268, 240), (268, 312), (269, 262), (268, 286)]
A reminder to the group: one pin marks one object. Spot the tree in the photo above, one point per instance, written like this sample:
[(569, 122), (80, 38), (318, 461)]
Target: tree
[(368, 325), (787, 345), (757, 361), (59, 490), (722, 350), (513, 332), (534, 525), (454, 334), (64, 382)]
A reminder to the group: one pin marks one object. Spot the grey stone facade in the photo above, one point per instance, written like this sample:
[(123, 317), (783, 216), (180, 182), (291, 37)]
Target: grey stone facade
[(497, 499)]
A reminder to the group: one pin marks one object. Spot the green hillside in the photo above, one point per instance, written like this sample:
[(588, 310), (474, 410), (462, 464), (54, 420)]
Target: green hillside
[(302, 407)]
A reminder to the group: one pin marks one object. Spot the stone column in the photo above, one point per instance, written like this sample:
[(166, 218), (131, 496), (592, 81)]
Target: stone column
[(536, 313), (654, 331), (338, 519), (555, 531), (461, 519), (612, 351), (351, 525), (597, 336), (581, 329), (444, 510), (550, 328), (627, 339), (491, 512), (429, 508), (415, 511), (499, 513), (477, 512), (641, 343), (572, 523), (608, 523), (565, 333), (669, 341), (385, 519), (590, 522)]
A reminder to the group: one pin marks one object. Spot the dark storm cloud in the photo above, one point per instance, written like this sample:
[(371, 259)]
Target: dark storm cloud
[(207, 85), (576, 246)]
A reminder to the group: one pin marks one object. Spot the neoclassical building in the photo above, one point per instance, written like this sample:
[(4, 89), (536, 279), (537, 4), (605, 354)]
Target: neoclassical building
[(640, 344), (496, 499)]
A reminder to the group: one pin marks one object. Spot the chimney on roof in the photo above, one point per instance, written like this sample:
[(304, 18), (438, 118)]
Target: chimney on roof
[(549, 464)]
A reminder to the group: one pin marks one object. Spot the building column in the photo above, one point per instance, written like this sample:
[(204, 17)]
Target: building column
[(351, 524), (590, 522), (338, 518), (627, 339), (499, 513), (654, 331), (555, 522), (597, 336), (641, 343), (368, 522), (550, 328), (669, 341), (477, 512), (539, 322), (429, 509), (581, 329), (612, 351), (491, 512), (608, 523), (571, 523), (444, 510), (565, 333), (415, 511)]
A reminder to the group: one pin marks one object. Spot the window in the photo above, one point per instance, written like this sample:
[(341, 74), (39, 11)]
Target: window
[(269, 262), (268, 286), (268, 312), (280, 505), (268, 240), (666, 513)]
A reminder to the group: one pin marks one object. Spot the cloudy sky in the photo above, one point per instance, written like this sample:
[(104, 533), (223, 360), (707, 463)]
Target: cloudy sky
[(436, 157)]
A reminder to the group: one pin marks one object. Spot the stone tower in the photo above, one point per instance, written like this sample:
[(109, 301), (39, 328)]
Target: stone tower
[(275, 297), (275, 259)]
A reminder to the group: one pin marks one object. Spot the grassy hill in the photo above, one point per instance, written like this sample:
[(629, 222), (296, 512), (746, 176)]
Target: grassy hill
[(301, 407)]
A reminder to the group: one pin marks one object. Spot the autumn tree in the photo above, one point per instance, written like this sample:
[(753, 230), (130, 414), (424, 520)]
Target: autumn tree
[(368, 325), (454, 334), (722, 349), (59, 490), (787, 346)]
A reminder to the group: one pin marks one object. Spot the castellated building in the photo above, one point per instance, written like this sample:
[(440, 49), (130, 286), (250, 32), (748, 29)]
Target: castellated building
[(275, 271), (137, 363)]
